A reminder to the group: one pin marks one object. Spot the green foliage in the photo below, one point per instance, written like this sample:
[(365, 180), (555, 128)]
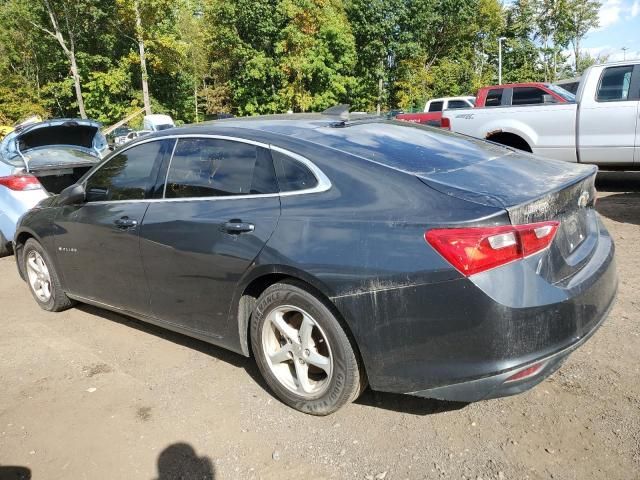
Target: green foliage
[(262, 56)]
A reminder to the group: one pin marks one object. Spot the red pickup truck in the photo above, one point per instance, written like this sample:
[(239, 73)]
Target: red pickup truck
[(531, 93)]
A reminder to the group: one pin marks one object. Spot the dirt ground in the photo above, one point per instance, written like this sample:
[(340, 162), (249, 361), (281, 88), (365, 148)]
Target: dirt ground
[(87, 394)]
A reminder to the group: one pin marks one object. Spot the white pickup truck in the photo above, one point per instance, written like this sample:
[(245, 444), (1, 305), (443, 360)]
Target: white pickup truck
[(602, 127)]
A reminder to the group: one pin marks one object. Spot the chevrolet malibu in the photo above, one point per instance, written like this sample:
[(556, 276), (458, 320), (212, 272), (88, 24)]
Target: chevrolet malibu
[(337, 253)]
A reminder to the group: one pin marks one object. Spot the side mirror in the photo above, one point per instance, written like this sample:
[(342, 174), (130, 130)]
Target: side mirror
[(72, 195), (546, 98)]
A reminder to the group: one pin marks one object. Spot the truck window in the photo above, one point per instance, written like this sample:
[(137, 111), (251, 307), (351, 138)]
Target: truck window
[(614, 84), (435, 106), (527, 96), (494, 98), (453, 104)]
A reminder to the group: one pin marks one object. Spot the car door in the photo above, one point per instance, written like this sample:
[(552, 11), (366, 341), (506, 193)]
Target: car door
[(97, 242), (220, 207), (608, 121)]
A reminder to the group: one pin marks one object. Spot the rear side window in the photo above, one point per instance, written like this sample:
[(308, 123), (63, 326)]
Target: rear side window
[(435, 106), (127, 176), (527, 96), (205, 167), (615, 84), (494, 98), (292, 174), (453, 104)]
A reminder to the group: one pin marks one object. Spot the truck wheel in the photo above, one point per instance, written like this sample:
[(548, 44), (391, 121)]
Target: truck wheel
[(303, 352), (43, 279)]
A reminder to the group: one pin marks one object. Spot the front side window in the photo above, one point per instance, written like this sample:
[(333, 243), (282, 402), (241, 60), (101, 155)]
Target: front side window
[(527, 96), (127, 176), (494, 98), (615, 84), (435, 106), (292, 174), (207, 167)]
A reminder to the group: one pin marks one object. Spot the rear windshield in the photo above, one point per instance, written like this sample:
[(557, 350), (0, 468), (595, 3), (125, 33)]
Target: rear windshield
[(405, 146), (567, 95)]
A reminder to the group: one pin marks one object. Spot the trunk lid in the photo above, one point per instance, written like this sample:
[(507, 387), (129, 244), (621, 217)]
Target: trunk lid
[(533, 190), (61, 142)]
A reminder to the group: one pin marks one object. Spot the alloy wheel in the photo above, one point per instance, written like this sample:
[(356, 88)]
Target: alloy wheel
[(297, 351), (39, 277)]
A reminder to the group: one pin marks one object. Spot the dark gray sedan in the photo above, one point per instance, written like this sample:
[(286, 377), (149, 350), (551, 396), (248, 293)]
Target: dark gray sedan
[(337, 253)]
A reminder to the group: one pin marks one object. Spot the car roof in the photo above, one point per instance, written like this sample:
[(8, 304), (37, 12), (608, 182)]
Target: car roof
[(402, 146), (521, 84)]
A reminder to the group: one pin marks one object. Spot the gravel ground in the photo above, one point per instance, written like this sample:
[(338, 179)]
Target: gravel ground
[(87, 394)]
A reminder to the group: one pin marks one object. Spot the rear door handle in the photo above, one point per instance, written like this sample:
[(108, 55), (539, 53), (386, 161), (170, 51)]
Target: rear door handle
[(236, 227), (125, 223)]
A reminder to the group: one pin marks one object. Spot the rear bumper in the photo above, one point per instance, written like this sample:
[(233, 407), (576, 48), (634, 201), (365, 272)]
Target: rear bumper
[(462, 339), (499, 385)]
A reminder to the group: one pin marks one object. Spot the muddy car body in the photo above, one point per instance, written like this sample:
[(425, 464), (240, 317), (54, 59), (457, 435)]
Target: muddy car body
[(43, 158), (338, 253)]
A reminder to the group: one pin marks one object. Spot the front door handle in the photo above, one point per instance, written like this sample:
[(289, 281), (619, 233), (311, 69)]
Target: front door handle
[(125, 223), (236, 227)]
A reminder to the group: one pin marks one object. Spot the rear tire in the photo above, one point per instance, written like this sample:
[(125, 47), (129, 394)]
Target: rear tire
[(5, 248), (303, 352), (42, 278)]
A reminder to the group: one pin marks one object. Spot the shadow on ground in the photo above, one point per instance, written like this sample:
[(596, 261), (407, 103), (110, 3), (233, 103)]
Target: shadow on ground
[(407, 404), (14, 473), (386, 401), (179, 461), (621, 207)]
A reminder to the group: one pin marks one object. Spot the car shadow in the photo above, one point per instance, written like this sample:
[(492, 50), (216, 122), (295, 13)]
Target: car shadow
[(621, 207), (397, 402), (386, 401), (10, 472), (201, 346), (180, 461)]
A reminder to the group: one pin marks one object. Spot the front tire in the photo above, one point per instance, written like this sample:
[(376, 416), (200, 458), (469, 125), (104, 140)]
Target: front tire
[(43, 279), (303, 352)]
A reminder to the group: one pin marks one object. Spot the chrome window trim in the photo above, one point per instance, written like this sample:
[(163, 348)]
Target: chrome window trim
[(324, 184)]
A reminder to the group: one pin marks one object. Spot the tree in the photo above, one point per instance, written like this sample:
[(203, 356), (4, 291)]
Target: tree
[(69, 13), (316, 55), (582, 17)]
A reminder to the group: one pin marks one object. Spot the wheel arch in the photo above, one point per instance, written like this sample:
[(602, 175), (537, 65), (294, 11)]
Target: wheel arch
[(509, 139), (19, 241)]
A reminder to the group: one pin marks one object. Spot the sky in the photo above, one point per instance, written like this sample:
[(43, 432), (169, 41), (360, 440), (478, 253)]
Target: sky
[(619, 27)]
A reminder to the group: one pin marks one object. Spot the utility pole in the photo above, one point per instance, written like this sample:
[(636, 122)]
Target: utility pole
[(624, 52), (500, 59)]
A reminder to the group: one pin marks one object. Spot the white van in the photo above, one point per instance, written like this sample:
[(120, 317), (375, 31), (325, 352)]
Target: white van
[(158, 122)]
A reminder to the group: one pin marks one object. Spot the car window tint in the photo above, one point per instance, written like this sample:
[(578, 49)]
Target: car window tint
[(453, 104), (614, 84), (205, 167), (292, 174), (127, 176), (494, 98), (435, 106), (527, 96)]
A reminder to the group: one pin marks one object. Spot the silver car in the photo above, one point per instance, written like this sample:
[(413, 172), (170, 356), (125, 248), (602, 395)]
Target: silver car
[(40, 159)]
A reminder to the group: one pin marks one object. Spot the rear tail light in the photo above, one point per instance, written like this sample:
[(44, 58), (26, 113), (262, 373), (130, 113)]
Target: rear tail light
[(474, 250), (445, 123), (20, 182), (526, 373)]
